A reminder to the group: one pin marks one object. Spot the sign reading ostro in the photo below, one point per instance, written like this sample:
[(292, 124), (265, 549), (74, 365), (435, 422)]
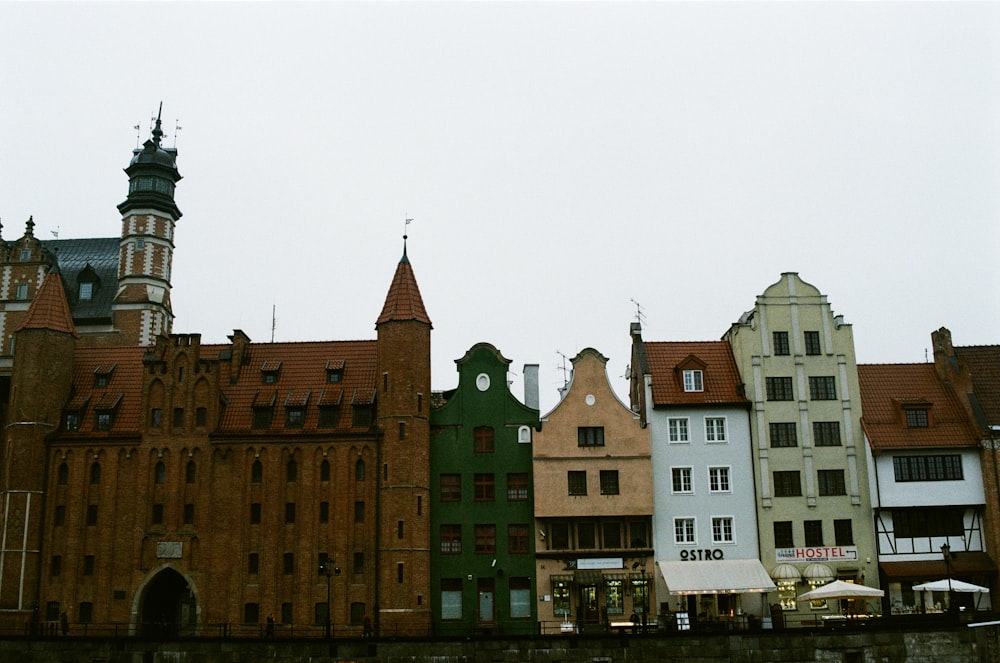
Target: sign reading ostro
[(818, 554)]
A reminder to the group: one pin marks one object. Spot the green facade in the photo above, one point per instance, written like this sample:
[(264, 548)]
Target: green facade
[(482, 551)]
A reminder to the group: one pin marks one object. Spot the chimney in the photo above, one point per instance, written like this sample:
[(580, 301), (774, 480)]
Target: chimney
[(531, 385)]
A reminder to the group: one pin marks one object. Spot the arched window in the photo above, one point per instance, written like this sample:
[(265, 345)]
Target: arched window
[(160, 473), (95, 473), (324, 470), (291, 470), (359, 470), (191, 472), (63, 474)]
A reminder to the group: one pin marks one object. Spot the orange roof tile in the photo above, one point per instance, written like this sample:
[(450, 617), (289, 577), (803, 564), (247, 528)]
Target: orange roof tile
[(49, 309), (887, 388), (403, 302), (722, 383), (122, 395), (984, 365)]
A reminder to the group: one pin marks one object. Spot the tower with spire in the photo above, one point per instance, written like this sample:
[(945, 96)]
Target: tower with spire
[(142, 308)]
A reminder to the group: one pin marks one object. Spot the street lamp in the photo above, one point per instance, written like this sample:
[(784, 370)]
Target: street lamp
[(946, 552), (327, 568)]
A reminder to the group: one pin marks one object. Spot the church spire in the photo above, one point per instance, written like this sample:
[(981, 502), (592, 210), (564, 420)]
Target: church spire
[(403, 301)]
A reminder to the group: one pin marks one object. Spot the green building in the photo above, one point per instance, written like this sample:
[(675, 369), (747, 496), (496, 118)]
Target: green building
[(482, 551)]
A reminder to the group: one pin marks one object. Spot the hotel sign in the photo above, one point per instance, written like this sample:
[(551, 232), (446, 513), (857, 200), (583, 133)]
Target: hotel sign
[(817, 554)]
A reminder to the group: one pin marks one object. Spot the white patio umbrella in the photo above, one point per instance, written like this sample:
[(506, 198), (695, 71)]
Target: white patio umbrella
[(838, 589), (955, 586)]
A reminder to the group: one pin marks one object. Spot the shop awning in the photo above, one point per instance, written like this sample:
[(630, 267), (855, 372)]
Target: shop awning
[(961, 563), (727, 576), (786, 572), (818, 572)]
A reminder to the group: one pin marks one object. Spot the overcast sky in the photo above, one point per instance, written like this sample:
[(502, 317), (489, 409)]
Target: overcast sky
[(559, 160)]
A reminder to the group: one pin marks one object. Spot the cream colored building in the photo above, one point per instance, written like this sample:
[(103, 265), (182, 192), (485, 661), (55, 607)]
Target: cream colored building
[(797, 362), (593, 507)]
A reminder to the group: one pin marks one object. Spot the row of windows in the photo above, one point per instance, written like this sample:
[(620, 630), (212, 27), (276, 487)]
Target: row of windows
[(843, 533), (191, 469), (928, 522), (484, 487), (781, 346), (256, 513), (485, 539), (519, 592), (937, 467), (679, 429), (596, 534), (821, 388), (251, 613), (685, 530), (785, 434), (681, 482), (362, 416), (788, 483), (577, 482)]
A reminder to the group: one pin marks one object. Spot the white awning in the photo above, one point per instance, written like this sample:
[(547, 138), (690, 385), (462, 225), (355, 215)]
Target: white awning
[(726, 576)]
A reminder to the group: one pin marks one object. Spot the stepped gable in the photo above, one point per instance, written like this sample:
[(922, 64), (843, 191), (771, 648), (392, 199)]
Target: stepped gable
[(120, 372), (49, 310), (887, 390), (281, 375), (403, 302), (667, 359)]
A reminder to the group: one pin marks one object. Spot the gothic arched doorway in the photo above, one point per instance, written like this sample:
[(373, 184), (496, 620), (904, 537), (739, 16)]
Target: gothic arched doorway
[(167, 608)]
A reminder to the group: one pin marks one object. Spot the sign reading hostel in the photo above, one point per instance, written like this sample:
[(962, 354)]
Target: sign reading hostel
[(818, 554)]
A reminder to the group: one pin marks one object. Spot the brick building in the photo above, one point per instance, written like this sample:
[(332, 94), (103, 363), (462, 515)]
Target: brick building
[(154, 483)]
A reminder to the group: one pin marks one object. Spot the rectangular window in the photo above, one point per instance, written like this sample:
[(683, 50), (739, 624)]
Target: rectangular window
[(85, 614), (715, 429), (289, 513), (787, 484), (693, 380), (255, 513), (55, 568), (611, 533), (722, 530), (253, 564), (937, 467), (295, 417), (680, 480), (484, 487), (822, 388), (324, 512), (251, 613), (72, 421), (814, 533), (577, 481), (451, 598), (812, 342), (590, 436), (718, 480), (451, 487), (783, 435), (22, 291), (91, 514), (157, 518), (826, 433), (517, 487), (200, 417), (359, 512), (358, 562), (609, 482), (843, 532), (156, 417), (586, 535), (362, 416), (928, 522), (189, 514), (916, 418), (684, 531), (288, 563), (781, 343), (485, 539), (88, 565), (517, 539), (831, 482), (483, 441), (638, 534), (677, 429), (178, 417), (103, 421), (451, 539), (779, 389), (783, 534), (329, 416), (520, 598), (559, 533)]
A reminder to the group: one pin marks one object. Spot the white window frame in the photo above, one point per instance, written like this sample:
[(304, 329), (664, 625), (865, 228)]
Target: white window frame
[(678, 430), (689, 534), (712, 430), (714, 486), (684, 472), (694, 380), (719, 529)]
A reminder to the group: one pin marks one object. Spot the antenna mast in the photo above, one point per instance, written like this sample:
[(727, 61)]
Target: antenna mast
[(274, 321), (564, 369), (640, 317)]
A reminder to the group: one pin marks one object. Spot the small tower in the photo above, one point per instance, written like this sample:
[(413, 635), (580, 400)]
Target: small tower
[(142, 308), (403, 391)]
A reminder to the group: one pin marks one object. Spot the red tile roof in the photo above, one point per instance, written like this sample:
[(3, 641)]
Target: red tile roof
[(984, 364), (49, 309), (403, 302), (887, 388), (122, 395), (666, 360)]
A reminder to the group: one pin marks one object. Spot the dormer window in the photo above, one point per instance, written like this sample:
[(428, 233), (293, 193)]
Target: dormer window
[(269, 372), (334, 371), (295, 417), (103, 421), (71, 421), (693, 380), (916, 417), (85, 291)]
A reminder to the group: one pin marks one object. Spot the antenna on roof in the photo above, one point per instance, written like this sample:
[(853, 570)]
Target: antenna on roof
[(274, 321), (640, 317), (138, 136), (55, 233), (565, 371)]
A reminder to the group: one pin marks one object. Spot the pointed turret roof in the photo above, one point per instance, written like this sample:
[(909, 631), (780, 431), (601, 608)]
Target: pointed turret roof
[(403, 302), (49, 310)]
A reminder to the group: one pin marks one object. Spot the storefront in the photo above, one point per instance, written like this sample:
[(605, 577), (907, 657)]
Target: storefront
[(899, 579), (726, 593)]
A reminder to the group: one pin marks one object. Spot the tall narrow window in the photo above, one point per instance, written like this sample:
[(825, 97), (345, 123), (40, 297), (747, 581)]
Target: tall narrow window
[(781, 343), (812, 342), (483, 442), (577, 480), (324, 470)]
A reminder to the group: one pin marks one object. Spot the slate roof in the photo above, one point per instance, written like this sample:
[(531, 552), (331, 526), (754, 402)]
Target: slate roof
[(984, 365), (722, 383), (887, 388), (76, 255), (403, 302)]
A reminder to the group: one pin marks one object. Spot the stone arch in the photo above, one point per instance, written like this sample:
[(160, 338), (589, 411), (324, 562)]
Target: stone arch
[(166, 605)]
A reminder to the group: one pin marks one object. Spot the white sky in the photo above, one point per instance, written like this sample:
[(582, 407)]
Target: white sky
[(559, 160)]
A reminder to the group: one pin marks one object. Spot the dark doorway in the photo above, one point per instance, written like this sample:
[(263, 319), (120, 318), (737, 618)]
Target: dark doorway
[(168, 606)]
